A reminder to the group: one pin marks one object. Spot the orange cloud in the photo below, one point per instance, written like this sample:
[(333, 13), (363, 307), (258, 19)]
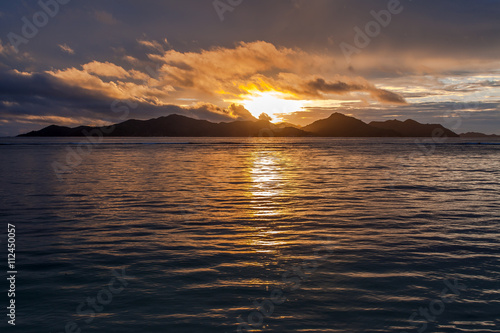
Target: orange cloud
[(153, 44), (260, 66), (66, 48), (221, 74), (105, 69), (148, 90), (234, 111), (85, 80)]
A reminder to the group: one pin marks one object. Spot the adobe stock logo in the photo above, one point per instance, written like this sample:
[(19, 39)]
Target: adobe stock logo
[(89, 309), (30, 28), (372, 29), (228, 6)]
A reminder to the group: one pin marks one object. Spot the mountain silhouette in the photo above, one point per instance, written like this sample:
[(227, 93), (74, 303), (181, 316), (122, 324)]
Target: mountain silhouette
[(337, 125), (412, 128), (478, 135), (175, 126)]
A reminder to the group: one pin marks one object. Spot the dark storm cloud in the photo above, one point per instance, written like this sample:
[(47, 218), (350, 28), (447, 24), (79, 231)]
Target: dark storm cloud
[(336, 87), (19, 87), (339, 87), (30, 101)]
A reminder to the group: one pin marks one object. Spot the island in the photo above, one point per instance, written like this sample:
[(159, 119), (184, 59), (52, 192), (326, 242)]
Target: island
[(337, 125)]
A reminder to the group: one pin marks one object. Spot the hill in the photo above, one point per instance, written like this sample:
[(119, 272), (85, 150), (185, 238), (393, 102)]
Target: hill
[(175, 126), (478, 135), (337, 125), (412, 128)]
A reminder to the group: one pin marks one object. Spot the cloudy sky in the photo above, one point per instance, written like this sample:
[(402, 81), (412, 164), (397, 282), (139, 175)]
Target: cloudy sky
[(91, 62)]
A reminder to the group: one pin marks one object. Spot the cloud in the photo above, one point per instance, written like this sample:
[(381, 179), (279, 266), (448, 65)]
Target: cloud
[(66, 48), (93, 78), (226, 63), (29, 101), (233, 112), (339, 87), (131, 59), (384, 64), (342, 86), (104, 17), (239, 112), (33, 100), (105, 69), (6, 49), (207, 78), (387, 96), (221, 69), (153, 45), (73, 77), (25, 89), (260, 66)]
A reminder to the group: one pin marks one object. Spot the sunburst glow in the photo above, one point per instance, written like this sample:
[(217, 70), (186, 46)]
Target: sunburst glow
[(272, 103)]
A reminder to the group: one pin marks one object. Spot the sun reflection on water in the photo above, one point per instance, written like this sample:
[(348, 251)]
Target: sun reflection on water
[(269, 184)]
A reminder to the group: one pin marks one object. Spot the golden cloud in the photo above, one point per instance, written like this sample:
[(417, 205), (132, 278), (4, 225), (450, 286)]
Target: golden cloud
[(125, 85), (261, 66), (220, 74), (105, 69)]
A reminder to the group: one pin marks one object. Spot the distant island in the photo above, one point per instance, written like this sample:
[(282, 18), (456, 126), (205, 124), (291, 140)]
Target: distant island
[(479, 135), (337, 125)]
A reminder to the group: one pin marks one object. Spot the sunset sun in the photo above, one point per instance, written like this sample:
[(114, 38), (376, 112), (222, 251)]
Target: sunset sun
[(272, 103)]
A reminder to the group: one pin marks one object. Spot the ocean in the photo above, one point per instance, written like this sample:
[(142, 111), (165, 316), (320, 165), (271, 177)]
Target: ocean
[(251, 234)]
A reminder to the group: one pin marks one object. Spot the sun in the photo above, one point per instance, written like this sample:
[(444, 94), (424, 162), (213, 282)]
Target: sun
[(272, 103)]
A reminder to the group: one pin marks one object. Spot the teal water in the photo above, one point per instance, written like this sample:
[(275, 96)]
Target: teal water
[(261, 235)]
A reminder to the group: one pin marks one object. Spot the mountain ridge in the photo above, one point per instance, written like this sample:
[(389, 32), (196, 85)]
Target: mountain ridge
[(473, 135), (336, 125), (412, 128)]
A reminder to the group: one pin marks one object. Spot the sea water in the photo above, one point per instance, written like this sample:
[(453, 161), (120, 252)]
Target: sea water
[(262, 235)]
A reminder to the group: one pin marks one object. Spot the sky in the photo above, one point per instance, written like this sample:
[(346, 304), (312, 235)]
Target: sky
[(94, 62)]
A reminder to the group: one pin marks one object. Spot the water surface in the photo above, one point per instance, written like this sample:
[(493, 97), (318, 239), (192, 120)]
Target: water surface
[(355, 235)]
